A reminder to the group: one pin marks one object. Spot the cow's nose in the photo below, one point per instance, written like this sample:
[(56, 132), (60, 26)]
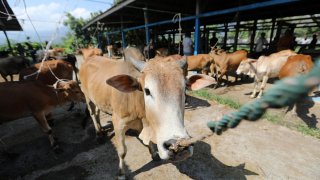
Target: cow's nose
[(169, 143)]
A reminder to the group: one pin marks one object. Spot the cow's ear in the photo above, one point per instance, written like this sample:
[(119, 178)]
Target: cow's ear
[(124, 83), (199, 81)]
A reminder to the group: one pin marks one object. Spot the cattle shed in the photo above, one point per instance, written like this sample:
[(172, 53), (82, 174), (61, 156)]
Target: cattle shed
[(156, 18), (8, 21)]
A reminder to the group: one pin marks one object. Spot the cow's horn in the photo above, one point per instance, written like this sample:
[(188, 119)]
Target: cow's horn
[(137, 63), (182, 62)]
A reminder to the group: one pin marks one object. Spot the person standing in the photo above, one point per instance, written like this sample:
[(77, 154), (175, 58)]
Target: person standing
[(286, 41), (214, 40), (261, 44), (187, 44), (313, 42)]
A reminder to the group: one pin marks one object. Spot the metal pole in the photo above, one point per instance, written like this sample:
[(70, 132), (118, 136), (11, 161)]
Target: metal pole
[(123, 39), (8, 41), (197, 29), (236, 36), (253, 35), (272, 29), (108, 39), (145, 13), (225, 35)]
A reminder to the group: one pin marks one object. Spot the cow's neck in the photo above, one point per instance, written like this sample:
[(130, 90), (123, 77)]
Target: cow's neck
[(57, 97)]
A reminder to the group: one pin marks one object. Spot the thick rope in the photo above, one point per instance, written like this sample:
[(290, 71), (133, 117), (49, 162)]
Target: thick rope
[(284, 93)]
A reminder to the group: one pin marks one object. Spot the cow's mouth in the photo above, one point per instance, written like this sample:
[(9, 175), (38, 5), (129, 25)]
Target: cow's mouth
[(177, 151)]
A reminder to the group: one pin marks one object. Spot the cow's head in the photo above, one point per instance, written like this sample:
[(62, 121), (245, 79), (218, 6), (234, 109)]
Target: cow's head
[(70, 90), (163, 84), (245, 67)]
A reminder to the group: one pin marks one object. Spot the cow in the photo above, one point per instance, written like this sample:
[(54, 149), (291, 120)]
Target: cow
[(50, 71), (12, 65), (89, 52), (40, 54), (226, 62), (21, 99), (145, 96), (200, 62), (71, 58), (296, 65), (264, 68)]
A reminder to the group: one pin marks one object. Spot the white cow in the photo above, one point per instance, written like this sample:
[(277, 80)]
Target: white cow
[(264, 68)]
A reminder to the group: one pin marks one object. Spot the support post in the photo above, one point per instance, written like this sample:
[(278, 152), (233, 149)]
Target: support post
[(236, 36), (145, 13), (225, 35), (272, 29), (123, 36), (8, 41), (108, 39), (197, 29), (253, 35)]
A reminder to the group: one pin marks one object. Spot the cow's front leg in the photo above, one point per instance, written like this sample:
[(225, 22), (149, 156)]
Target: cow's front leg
[(263, 85), (119, 129), (255, 86), (41, 119)]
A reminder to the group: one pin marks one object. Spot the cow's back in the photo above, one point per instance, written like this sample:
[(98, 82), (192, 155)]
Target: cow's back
[(197, 62), (297, 64), (234, 59), (93, 76)]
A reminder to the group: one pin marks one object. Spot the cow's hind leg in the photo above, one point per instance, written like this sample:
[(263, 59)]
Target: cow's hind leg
[(41, 119), (119, 129), (95, 115), (4, 77)]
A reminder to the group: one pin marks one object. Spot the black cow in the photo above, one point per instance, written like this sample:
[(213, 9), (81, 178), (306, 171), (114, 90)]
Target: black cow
[(12, 65)]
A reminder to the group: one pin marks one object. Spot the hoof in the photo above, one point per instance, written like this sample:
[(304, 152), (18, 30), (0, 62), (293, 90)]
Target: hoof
[(57, 149), (100, 138), (122, 177), (154, 151)]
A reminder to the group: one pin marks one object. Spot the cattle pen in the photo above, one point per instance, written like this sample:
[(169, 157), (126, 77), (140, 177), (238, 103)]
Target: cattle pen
[(149, 111)]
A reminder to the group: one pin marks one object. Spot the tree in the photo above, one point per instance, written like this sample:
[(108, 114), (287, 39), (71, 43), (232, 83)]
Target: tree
[(78, 38)]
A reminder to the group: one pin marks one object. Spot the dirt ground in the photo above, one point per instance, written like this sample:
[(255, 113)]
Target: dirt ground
[(253, 150)]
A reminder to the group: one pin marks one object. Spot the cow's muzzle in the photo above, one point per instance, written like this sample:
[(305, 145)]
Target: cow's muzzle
[(178, 151)]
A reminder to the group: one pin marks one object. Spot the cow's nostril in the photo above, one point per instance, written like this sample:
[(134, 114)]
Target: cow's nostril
[(169, 143)]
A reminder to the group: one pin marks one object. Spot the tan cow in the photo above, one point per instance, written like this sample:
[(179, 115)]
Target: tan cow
[(89, 52), (200, 62), (21, 99), (145, 96), (226, 62), (264, 68)]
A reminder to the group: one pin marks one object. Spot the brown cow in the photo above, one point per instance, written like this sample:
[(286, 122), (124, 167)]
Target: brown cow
[(296, 65), (226, 62), (200, 62), (60, 69), (21, 99), (145, 96)]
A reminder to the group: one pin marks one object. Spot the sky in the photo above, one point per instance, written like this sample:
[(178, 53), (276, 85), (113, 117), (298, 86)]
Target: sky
[(45, 15)]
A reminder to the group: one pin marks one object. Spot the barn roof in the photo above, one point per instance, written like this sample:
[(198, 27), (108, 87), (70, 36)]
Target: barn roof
[(131, 14), (5, 24)]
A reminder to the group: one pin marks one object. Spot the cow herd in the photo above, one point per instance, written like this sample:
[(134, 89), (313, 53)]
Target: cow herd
[(145, 96)]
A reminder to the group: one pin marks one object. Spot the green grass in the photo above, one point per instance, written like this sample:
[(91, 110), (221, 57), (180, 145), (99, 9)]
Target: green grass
[(276, 119)]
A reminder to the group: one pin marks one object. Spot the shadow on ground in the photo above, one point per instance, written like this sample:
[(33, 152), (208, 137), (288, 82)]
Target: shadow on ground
[(202, 165)]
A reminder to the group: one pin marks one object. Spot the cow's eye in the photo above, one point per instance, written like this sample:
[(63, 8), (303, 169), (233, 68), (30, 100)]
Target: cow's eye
[(147, 91)]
